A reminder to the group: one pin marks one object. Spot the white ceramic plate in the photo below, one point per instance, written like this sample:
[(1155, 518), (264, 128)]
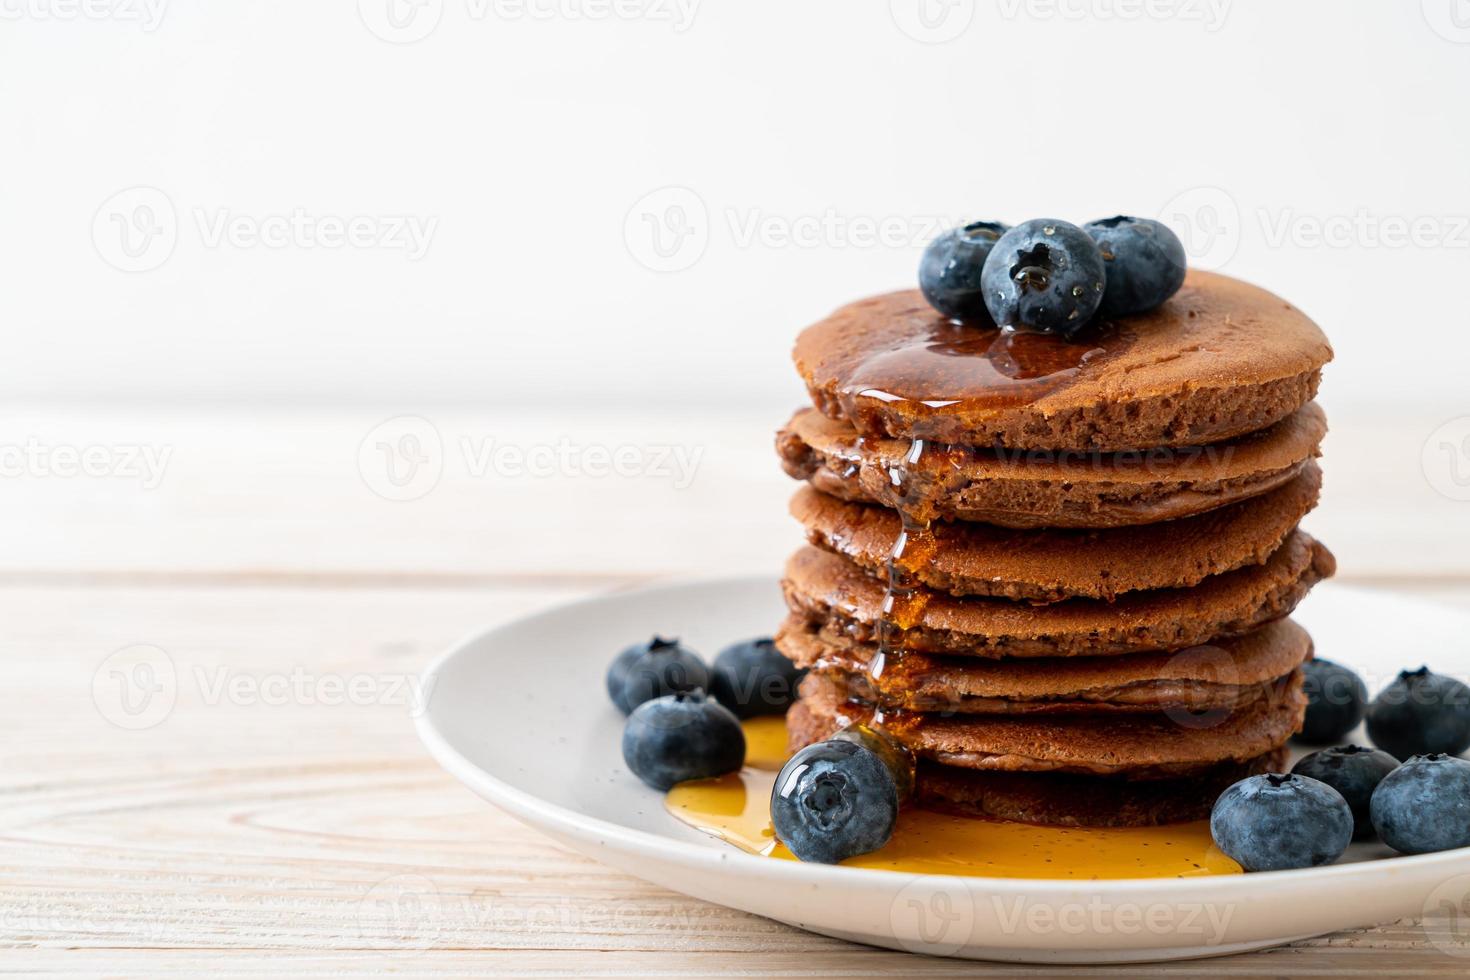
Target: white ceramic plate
[(519, 714)]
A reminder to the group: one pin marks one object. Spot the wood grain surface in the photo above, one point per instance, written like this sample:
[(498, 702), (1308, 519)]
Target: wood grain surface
[(277, 816)]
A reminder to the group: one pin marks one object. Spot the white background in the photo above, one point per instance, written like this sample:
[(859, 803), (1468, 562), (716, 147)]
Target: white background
[(526, 131), (622, 214)]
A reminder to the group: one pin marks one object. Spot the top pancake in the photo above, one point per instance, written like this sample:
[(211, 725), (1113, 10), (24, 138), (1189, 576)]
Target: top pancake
[(1219, 359)]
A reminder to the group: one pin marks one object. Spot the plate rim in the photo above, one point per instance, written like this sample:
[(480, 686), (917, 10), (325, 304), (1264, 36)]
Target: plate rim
[(536, 811)]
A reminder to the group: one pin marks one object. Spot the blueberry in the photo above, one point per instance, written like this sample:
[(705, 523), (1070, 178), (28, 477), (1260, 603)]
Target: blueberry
[(753, 678), (1273, 822), (682, 736), (1354, 772), (1044, 275), (1424, 805), (1420, 713), (1335, 700), (645, 671), (1145, 263), (834, 800), (949, 272)]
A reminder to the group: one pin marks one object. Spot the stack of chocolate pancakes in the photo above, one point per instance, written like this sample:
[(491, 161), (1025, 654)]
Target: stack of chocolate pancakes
[(1059, 571)]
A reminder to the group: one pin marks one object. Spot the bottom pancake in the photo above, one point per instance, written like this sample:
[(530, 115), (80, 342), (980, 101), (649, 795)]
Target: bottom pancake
[(1067, 800)]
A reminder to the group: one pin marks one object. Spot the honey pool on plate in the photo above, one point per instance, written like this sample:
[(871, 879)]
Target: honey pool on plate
[(736, 809)]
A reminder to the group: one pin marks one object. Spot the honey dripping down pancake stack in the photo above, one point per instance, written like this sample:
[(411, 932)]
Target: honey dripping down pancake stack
[(1059, 570)]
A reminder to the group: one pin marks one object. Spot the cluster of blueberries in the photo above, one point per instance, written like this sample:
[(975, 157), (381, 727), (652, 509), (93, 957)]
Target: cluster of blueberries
[(675, 731), (1050, 276), (1411, 792), (843, 799)]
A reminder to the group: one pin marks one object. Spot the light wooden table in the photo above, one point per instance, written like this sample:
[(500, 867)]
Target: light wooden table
[(277, 815)]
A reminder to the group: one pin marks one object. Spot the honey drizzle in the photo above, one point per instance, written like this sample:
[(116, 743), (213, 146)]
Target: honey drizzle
[(904, 600), (736, 809), (935, 366)]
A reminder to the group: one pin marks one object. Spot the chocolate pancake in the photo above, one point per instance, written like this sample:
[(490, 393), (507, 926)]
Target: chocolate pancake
[(1041, 566), (1221, 676), (1046, 489), (843, 602), (1153, 746), (1068, 800), (1219, 359)]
